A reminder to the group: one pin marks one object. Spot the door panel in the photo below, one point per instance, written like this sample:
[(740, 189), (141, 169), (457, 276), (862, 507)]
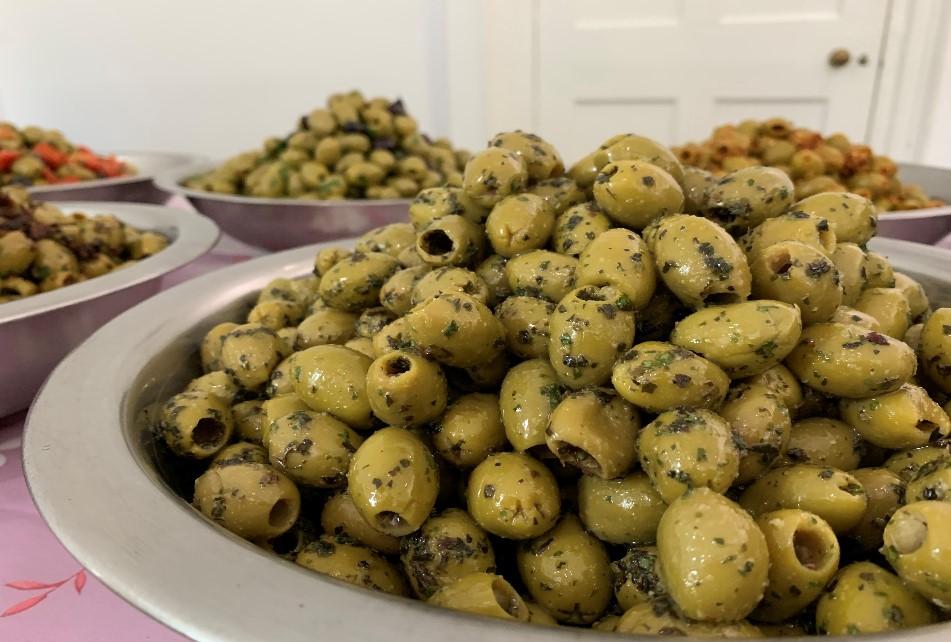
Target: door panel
[(674, 70)]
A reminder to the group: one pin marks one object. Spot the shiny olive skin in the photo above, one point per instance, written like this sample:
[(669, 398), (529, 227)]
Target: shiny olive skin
[(791, 226), (577, 226), (333, 379), (493, 174), (633, 192), (469, 430), (393, 480), (249, 353), (686, 449), (397, 292), (542, 274), (852, 217), (803, 554), (710, 548), (888, 306), (492, 272), (931, 482), (594, 430), (514, 496), (918, 304), (907, 463), (745, 198), (218, 383), (915, 544), (448, 280), (620, 511), (567, 571), (935, 348), (834, 495), (451, 240), (340, 516), (590, 328), (699, 261), (323, 327), (851, 263), (389, 239), (447, 547), (822, 441), (313, 449), (519, 223), (248, 420), (851, 316), (526, 323), (865, 598), (559, 193), (904, 418), (781, 381), (358, 565), (540, 157), (634, 147), (354, 282), (621, 259), (848, 361), (405, 389), (796, 273), (482, 594), (456, 330), (886, 493), (529, 393), (253, 501), (696, 185), (660, 376), (761, 428), (742, 338)]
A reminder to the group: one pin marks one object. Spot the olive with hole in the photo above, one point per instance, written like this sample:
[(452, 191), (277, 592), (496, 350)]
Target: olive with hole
[(935, 348), (796, 273), (196, 424), (340, 516), (915, 544), (761, 428), (905, 418), (621, 259), (482, 594), (529, 393), (852, 217), (577, 227), (405, 389), (886, 493)]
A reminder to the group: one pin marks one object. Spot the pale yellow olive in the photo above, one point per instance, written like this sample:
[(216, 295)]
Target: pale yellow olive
[(540, 157), (354, 282), (780, 380), (851, 263), (918, 303), (325, 327), (745, 198), (529, 393), (559, 193), (889, 306), (448, 280), (590, 328), (389, 239), (742, 338), (492, 271), (879, 272), (249, 353), (796, 273), (333, 379), (659, 376), (568, 572), (626, 510), (714, 559), (696, 185), (393, 481), (834, 495), (825, 442), (761, 428), (577, 226), (469, 430), (865, 598), (397, 292), (685, 449), (634, 192), (851, 316), (659, 618), (916, 547), (852, 217), (935, 348), (907, 463), (621, 259), (904, 418), (542, 274), (699, 261), (493, 174), (358, 565), (482, 594), (849, 361), (514, 496)]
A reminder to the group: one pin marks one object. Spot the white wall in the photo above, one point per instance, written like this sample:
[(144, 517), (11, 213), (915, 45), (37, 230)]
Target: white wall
[(937, 144), (211, 76)]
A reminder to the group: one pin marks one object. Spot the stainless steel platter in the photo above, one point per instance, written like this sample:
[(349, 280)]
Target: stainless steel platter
[(99, 481), (38, 331), (927, 225), (136, 189), (282, 223)]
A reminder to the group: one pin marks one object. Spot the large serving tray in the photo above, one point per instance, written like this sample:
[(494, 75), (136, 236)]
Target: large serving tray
[(38, 331), (99, 481)]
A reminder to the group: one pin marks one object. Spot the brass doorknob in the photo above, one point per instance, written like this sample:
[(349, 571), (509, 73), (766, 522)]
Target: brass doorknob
[(839, 57)]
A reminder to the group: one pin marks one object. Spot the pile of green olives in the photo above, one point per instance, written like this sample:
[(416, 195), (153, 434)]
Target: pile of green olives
[(601, 397), (352, 148)]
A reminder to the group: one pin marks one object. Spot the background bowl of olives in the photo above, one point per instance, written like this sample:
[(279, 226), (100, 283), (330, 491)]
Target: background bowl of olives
[(280, 223), (113, 493), (928, 225)]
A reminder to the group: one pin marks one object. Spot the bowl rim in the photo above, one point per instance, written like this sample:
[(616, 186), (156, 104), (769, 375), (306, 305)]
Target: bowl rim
[(170, 180), (156, 557), (175, 159), (194, 235)]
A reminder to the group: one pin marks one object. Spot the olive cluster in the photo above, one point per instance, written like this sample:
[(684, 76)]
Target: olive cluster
[(623, 397), (43, 249), (353, 148), (815, 162)]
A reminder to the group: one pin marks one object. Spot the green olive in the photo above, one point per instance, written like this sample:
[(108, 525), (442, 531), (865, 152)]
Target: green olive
[(851, 263), (249, 353), (559, 193), (542, 274), (492, 272), (825, 442), (686, 449), (796, 273), (482, 594), (761, 428), (918, 304), (886, 492), (834, 495), (394, 481), (568, 572), (397, 291), (889, 306), (879, 272), (389, 239), (865, 598), (519, 223), (633, 192), (696, 185), (196, 424), (312, 448), (658, 618), (332, 379), (493, 174), (710, 548), (469, 430), (916, 547), (621, 259), (637, 577), (456, 329), (541, 159), (848, 361), (935, 349), (851, 316), (514, 496), (781, 381), (907, 463), (743, 199), (340, 516), (218, 383), (526, 322), (577, 226), (634, 147), (447, 280), (358, 565), (447, 547), (248, 420), (451, 240), (931, 482), (852, 217), (529, 393), (405, 389), (904, 418), (620, 511), (326, 327), (354, 282), (791, 226)]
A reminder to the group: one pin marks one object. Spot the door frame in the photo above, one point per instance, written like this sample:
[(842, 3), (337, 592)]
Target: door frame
[(494, 81)]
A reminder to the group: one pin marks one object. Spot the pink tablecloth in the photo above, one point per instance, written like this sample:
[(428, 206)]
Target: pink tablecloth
[(45, 595)]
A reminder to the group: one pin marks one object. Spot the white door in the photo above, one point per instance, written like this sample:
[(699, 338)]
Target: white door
[(673, 70)]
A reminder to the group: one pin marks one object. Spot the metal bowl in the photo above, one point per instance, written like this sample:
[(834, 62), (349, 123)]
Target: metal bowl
[(106, 490), (923, 226), (137, 188), (282, 223), (38, 331)]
